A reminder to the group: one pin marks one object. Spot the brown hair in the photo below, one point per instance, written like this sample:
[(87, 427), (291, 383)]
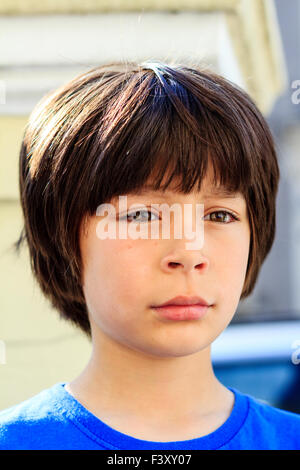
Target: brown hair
[(107, 131)]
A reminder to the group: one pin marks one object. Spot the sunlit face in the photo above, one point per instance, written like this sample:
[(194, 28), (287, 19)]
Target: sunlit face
[(124, 278)]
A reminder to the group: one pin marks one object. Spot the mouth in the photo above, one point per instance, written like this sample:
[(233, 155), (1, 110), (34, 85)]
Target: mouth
[(184, 300), (183, 308)]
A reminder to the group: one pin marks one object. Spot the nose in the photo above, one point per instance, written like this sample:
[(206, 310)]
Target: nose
[(185, 261)]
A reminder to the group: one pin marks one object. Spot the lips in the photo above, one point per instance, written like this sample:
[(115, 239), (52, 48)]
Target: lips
[(185, 300), (182, 308)]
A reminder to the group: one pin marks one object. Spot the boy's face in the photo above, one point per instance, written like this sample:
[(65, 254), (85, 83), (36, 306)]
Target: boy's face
[(124, 278)]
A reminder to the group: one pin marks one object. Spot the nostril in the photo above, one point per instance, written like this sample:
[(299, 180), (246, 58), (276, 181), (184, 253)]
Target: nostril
[(173, 264)]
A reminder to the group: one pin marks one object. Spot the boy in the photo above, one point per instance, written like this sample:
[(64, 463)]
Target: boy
[(157, 134)]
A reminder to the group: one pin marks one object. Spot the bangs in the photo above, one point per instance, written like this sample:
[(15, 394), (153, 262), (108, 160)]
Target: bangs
[(169, 135)]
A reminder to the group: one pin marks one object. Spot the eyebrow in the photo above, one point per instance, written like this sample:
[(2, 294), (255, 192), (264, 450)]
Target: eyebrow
[(220, 192)]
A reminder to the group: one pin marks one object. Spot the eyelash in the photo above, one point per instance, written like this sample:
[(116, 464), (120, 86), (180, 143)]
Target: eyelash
[(214, 212)]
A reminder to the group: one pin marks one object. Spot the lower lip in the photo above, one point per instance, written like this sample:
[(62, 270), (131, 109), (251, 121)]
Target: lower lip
[(182, 312)]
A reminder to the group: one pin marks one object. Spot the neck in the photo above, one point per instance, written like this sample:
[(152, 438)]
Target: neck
[(118, 380)]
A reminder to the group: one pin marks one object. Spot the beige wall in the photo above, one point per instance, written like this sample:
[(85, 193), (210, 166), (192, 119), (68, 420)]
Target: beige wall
[(40, 349)]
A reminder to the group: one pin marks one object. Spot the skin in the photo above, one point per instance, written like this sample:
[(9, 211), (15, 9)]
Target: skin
[(149, 377)]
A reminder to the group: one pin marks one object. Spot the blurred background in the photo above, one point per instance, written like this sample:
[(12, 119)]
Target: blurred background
[(254, 43)]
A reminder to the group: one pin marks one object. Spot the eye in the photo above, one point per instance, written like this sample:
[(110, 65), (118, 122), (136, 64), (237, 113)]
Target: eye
[(139, 215), (229, 216)]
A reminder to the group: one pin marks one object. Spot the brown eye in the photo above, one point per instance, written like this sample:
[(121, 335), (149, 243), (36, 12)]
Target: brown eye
[(223, 217)]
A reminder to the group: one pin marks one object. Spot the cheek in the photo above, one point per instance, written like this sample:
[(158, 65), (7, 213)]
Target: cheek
[(117, 269), (230, 259)]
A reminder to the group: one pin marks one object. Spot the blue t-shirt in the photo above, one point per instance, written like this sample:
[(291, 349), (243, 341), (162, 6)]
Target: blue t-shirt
[(54, 419)]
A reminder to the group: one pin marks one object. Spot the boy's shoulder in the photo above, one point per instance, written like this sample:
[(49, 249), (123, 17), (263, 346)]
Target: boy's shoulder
[(32, 419), (37, 406), (261, 409), (269, 427)]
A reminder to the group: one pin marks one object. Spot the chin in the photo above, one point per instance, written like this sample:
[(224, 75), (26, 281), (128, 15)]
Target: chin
[(177, 350)]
